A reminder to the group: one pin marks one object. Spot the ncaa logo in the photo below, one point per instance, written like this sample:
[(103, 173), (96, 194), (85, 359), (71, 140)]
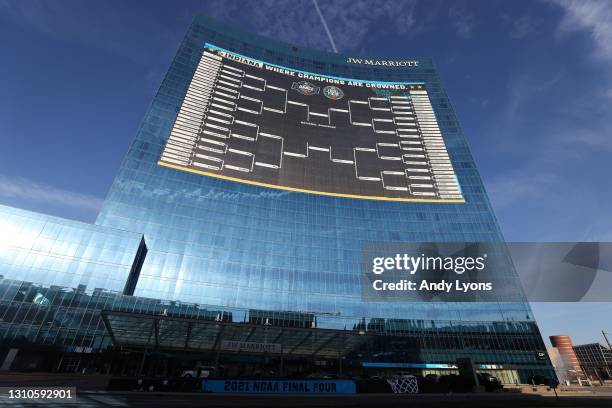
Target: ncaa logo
[(305, 88), (333, 92)]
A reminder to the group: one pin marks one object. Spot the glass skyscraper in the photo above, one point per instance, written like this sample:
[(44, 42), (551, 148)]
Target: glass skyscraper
[(257, 175)]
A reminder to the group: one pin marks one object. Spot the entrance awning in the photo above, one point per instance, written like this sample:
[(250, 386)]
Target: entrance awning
[(179, 333)]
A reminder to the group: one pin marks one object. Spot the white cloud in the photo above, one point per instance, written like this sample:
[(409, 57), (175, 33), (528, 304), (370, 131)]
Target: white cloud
[(523, 88), (350, 22), (523, 26), (462, 20), (24, 189), (571, 137), (581, 124), (514, 187), (593, 16), (355, 20), (601, 230)]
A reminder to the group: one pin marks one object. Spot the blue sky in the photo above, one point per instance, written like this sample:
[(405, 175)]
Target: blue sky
[(531, 82)]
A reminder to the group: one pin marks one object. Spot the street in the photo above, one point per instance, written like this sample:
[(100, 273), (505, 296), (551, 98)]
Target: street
[(151, 400)]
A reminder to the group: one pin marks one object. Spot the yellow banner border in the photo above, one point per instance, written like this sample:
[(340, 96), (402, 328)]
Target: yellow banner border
[(301, 190)]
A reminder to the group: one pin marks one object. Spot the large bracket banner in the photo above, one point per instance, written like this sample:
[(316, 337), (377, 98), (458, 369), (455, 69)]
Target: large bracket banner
[(255, 122)]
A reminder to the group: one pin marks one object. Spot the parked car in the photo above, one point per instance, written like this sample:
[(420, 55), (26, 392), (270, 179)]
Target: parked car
[(433, 377), (198, 372), (323, 376), (489, 382), (405, 374), (540, 380)]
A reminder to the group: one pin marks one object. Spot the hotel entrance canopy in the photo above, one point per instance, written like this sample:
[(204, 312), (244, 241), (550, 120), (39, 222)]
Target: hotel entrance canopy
[(187, 334)]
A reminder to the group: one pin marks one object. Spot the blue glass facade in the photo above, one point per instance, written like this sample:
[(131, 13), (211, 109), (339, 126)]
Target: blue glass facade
[(248, 251), (224, 243), (41, 248)]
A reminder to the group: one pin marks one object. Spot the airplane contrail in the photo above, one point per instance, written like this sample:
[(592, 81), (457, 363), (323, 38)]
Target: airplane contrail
[(331, 39)]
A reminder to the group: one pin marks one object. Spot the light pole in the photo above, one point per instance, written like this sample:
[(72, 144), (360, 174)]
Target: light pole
[(609, 347), (606, 337)]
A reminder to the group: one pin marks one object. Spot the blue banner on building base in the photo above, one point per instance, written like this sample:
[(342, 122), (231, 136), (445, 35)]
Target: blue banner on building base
[(280, 386)]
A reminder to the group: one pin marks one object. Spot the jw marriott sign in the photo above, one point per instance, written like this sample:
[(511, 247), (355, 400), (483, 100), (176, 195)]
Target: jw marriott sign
[(385, 63)]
